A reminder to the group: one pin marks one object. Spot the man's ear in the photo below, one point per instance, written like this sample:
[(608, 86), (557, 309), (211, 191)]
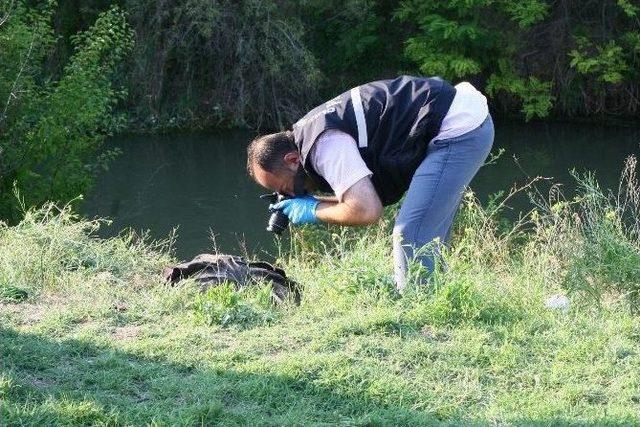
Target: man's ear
[(292, 159)]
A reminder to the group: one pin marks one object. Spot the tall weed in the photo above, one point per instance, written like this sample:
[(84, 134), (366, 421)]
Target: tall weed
[(52, 246)]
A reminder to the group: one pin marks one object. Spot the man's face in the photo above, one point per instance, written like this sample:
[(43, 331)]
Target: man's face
[(281, 180)]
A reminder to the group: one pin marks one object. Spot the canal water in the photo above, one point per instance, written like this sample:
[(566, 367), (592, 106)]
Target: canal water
[(197, 182)]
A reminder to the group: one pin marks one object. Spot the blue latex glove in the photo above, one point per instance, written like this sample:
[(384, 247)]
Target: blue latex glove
[(300, 210)]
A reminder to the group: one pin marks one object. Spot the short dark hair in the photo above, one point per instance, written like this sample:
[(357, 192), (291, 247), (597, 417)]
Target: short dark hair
[(268, 151)]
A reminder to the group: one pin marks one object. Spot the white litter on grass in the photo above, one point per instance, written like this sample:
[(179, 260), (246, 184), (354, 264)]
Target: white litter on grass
[(558, 302)]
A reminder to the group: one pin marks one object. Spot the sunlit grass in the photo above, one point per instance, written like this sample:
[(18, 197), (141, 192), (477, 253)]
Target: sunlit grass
[(92, 336)]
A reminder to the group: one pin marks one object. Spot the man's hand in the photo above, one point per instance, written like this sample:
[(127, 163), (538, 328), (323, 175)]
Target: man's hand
[(300, 210)]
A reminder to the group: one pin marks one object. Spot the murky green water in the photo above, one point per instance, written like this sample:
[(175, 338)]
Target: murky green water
[(198, 182)]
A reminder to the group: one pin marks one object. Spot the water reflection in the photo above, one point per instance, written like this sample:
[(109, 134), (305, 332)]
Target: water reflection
[(198, 183)]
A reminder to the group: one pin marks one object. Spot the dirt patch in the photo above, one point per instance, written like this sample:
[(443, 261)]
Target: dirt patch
[(126, 332), (24, 314)]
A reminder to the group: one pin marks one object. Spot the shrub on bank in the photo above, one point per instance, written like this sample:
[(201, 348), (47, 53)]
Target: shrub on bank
[(53, 122)]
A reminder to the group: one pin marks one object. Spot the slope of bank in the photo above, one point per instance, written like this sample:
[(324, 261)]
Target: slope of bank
[(90, 334)]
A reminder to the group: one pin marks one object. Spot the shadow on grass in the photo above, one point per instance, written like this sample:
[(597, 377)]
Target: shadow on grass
[(45, 382), (72, 382)]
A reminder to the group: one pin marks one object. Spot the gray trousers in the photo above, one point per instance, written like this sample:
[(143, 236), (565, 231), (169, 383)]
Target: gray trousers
[(434, 195)]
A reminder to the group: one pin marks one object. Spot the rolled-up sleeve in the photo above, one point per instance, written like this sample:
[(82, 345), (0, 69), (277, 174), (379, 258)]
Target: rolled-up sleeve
[(336, 158)]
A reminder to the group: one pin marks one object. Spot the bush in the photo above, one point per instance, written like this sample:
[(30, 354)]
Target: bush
[(590, 245), (212, 63), (51, 129), (577, 57), (606, 259)]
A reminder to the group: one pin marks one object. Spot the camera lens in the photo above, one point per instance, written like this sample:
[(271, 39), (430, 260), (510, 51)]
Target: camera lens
[(278, 222)]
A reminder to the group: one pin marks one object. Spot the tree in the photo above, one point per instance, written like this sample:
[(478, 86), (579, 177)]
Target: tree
[(51, 130)]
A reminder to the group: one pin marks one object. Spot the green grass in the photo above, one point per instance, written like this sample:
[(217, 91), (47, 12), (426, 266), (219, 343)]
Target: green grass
[(91, 336)]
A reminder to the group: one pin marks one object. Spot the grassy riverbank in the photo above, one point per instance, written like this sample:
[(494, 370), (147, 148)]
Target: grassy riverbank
[(91, 336)]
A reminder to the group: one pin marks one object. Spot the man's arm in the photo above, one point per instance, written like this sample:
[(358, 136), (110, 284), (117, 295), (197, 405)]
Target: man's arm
[(360, 206)]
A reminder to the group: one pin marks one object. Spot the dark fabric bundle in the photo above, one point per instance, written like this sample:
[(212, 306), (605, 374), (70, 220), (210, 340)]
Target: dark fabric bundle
[(212, 270)]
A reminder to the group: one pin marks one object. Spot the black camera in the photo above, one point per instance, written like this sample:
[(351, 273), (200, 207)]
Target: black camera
[(278, 221)]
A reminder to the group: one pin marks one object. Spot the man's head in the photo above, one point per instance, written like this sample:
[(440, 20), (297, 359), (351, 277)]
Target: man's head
[(273, 161)]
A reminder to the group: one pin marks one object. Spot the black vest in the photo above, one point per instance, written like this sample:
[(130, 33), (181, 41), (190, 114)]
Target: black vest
[(391, 120)]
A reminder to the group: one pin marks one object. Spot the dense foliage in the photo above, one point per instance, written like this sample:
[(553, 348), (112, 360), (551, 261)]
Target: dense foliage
[(539, 57), (263, 63), (231, 62), (52, 124)]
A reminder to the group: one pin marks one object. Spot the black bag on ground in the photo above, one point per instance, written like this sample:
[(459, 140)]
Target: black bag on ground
[(212, 270)]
